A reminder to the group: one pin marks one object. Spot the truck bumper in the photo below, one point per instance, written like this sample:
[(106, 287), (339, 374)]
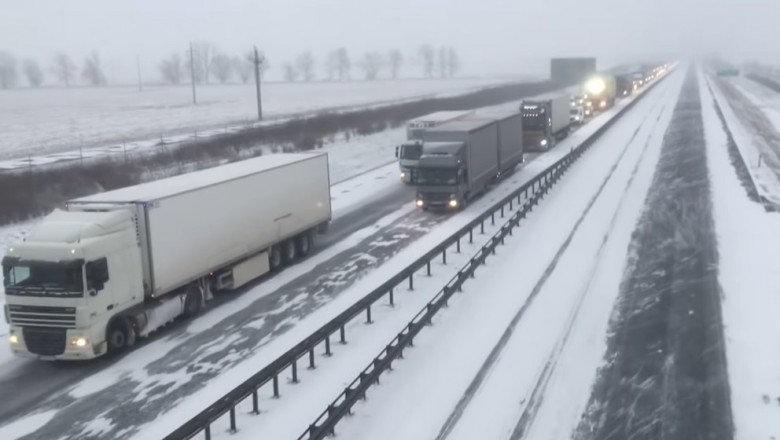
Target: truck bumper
[(439, 204), (53, 343)]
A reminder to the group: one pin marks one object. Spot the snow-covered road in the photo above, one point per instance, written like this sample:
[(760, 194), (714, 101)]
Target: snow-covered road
[(516, 353)]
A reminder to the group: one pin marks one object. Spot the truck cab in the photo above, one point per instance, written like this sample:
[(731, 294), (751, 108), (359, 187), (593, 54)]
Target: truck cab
[(408, 155), (441, 179), (537, 127), (69, 278)]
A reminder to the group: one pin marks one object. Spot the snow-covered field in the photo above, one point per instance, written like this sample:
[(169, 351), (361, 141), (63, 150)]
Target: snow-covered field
[(34, 122), (749, 246)]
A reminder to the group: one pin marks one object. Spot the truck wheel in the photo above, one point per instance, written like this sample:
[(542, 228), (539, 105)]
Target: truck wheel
[(117, 335), (289, 251), (275, 258), (304, 244), (192, 302)]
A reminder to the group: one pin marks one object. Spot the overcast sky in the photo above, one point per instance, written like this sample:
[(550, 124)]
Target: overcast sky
[(492, 36)]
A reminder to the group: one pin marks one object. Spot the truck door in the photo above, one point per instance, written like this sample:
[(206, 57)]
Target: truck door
[(99, 294)]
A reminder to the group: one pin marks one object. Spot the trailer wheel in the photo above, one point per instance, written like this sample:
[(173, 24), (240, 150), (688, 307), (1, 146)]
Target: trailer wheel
[(275, 258), (192, 302), (117, 335), (289, 251), (304, 244)]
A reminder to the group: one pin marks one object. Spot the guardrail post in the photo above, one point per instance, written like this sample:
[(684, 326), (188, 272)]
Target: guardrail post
[(502, 211), (493, 218), (411, 281), (368, 315), (295, 371), (458, 248), (255, 403), (511, 204), (444, 256), (343, 335), (276, 386), (471, 235), (392, 299), (233, 419), (327, 346), (208, 432), (311, 360), (482, 227), (428, 266)]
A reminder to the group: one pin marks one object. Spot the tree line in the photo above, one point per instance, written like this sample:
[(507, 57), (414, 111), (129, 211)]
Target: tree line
[(203, 62)]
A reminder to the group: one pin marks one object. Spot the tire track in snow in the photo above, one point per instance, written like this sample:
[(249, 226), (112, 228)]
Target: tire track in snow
[(459, 409)]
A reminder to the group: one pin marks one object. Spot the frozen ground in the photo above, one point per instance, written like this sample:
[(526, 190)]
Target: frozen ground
[(33, 122), (756, 137), (514, 356), (748, 245)]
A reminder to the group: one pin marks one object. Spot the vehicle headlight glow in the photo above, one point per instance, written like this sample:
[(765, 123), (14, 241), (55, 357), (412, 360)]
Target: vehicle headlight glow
[(453, 203), (403, 175), (603, 104), (596, 86), (544, 142), (13, 339), (79, 342), (419, 202)]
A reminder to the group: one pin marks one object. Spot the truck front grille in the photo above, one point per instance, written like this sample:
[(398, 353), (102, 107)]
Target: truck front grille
[(60, 317), (45, 341)]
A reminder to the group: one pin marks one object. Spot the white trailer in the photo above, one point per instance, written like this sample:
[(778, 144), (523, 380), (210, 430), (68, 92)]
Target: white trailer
[(117, 265)]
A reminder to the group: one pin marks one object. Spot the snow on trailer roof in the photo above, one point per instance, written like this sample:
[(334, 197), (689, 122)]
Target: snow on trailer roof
[(441, 116), (467, 125), (163, 188)]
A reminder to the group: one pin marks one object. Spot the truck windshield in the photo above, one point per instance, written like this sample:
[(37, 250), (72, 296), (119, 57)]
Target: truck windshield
[(411, 151), (534, 122), (44, 279), (437, 176)]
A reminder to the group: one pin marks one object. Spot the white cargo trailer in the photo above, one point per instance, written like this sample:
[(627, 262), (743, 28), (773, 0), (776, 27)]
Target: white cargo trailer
[(117, 265)]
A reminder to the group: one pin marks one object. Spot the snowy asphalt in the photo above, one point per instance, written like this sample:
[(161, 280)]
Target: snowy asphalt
[(665, 373)]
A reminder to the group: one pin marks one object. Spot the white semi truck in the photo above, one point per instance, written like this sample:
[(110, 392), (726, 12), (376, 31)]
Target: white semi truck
[(115, 266), (409, 152)]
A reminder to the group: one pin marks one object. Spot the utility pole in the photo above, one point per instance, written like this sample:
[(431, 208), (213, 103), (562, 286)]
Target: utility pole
[(138, 63), (192, 74), (258, 61)]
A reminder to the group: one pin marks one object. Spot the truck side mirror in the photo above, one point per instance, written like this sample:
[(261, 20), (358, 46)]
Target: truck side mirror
[(396, 151)]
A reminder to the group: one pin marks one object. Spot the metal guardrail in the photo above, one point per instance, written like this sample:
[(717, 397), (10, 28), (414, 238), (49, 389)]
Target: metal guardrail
[(341, 406)]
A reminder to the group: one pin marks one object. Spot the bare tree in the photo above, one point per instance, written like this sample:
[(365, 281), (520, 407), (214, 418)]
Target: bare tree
[(340, 63), (204, 57), (8, 72), (371, 63), (92, 71), (305, 65), (453, 62), (222, 67), (33, 72), (427, 55), (332, 65), (290, 73), (243, 67), (441, 61), (394, 60), (171, 69), (64, 68)]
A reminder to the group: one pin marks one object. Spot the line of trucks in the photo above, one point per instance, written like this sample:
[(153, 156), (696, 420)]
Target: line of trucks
[(110, 268)]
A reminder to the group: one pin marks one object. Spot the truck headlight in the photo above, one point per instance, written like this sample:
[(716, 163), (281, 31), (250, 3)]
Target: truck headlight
[(79, 342), (603, 104), (453, 203), (13, 339), (419, 202), (544, 142), (403, 175)]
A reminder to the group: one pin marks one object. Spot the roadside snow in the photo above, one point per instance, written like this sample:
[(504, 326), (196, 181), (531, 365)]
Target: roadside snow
[(749, 246), (55, 120), (27, 425)]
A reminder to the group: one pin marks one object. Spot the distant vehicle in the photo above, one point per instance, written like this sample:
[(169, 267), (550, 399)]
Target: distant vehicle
[(624, 86), (569, 71), (118, 265), (577, 101), (577, 115), (600, 91), (638, 80), (463, 157), (544, 122), (409, 153)]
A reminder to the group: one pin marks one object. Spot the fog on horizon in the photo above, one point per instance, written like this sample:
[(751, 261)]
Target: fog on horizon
[(492, 37)]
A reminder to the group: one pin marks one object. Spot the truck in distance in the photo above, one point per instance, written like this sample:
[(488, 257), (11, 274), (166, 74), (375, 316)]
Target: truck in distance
[(600, 92), (409, 152), (115, 266), (545, 121), (460, 159)]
